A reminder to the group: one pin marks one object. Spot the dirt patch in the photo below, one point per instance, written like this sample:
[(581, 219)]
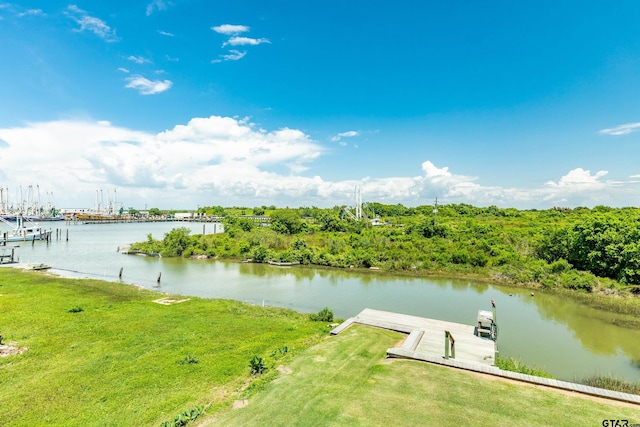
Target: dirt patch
[(169, 300), (11, 349), (319, 359), (284, 369), (237, 404)]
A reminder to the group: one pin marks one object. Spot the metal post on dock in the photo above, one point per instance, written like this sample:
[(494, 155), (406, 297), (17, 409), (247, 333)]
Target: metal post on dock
[(495, 330)]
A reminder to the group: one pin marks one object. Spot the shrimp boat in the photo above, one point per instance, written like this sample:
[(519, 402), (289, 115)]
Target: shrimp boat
[(23, 231)]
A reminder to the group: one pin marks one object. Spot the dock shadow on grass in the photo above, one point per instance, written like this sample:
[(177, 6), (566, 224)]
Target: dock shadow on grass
[(354, 386)]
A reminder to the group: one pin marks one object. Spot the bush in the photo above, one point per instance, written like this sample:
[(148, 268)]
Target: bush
[(577, 280), (261, 254), (560, 266), (75, 310), (324, 315)]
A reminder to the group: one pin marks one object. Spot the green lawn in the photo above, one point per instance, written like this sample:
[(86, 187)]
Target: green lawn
[(346, 381), (124, 360)]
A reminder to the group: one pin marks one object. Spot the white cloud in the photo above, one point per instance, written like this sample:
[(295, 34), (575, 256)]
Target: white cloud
[(160, 5), (139, 59), (148, 87), (579, 178), (621, 130), (243, 41), (231, 161), (165, 33), (229, 29), (348, 134), (31, 12), (233, 55), (90, 23), (124, 70), (171, 59)]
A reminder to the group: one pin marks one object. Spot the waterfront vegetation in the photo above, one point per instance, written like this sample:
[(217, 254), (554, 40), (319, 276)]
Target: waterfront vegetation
[(594, 251)]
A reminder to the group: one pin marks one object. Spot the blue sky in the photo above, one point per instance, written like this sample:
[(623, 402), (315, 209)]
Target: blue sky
[(185, 103)]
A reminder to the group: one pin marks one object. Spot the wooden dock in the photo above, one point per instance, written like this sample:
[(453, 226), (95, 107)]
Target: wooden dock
[(427, 337), (427, 342)]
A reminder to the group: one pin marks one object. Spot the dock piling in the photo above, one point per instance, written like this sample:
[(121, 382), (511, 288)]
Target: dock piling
[(120, 274)]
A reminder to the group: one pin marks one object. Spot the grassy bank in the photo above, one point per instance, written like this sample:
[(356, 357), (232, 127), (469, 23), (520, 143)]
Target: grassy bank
[(346, 381), (104, 354)]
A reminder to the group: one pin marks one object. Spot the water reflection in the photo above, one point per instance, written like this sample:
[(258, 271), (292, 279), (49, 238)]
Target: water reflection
[(549, 331)]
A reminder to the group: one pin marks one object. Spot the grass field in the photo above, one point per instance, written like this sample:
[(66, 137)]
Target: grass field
[(103, 354), (346, 381), (122, 360)]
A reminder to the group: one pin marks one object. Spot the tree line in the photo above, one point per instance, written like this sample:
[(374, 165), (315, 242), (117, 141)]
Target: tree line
[(577, 248)]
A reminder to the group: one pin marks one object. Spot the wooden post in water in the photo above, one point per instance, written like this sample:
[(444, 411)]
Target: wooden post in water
[(159, 276), (67, 234), (203, 229), (120, 274)]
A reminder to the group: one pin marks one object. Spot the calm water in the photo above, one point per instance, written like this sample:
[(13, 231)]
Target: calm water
[(565, 338)]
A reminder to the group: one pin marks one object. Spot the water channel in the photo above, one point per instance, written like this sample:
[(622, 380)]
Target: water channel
[(555, 333)]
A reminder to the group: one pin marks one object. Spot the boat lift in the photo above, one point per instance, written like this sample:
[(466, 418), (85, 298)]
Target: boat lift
[(487, 323)]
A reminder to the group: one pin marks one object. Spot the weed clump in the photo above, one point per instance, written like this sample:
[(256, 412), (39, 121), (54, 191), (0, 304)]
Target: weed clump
[(612, 383), (185, 417), (187, 360), (257, 365), (515, 365)]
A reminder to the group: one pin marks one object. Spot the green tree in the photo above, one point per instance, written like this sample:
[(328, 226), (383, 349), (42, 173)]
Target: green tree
[(330, 221), (176, 242), (155, 212), (286, 221)]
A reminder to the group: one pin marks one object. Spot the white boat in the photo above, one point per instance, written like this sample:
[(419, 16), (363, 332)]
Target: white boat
[(23, 231)]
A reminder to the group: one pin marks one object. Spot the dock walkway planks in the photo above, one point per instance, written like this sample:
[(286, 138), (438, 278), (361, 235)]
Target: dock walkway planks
[(426, 342), (431, 341)]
